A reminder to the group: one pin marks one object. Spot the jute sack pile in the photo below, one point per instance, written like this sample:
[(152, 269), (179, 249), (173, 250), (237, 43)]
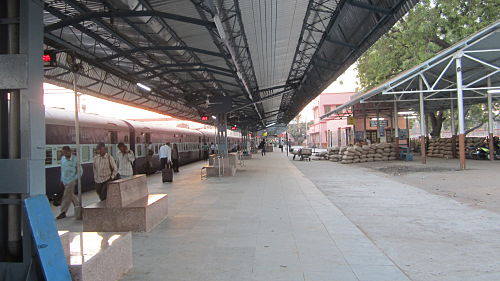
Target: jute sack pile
[(333, 154), (443, 147), (369, 153)]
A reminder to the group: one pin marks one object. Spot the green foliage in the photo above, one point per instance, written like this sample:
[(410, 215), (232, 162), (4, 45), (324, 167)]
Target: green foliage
[(297, 129), (430, 27)]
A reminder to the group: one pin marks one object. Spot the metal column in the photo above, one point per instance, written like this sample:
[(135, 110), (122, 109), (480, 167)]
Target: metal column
[(396, 127), (453, 129), (221, 137), (491, 124), (22, 166), (78, 209), (422, 124), (460, 104)]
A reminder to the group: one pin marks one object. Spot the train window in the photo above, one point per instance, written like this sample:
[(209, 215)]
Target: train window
[(148, 137), (59, 155), (139, 150), (113, 136), (156, 148), (85, 153), (48, 156), (138, 139), (125, 138)]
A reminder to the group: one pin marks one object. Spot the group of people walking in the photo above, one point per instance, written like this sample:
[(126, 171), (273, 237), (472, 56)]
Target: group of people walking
[(106, 169)]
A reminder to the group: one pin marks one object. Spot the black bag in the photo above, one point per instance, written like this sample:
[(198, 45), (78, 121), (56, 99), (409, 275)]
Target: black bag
[(167, 174)]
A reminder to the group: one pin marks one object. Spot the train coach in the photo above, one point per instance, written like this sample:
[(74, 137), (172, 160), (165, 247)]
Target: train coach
[(143, 138)]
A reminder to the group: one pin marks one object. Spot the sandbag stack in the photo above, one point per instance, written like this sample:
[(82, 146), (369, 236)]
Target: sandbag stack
[(333, 154), (442, 148), (473, 141), (369, 153)]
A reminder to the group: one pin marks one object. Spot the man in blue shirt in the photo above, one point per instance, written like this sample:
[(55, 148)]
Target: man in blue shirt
[(69, 176)]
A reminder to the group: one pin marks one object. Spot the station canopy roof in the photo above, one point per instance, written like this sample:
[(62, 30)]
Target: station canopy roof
[(271, 57), (437, 79)]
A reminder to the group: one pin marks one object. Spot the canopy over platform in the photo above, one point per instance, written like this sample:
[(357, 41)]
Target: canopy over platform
[(271, 57), (436, 79), (467, 72)]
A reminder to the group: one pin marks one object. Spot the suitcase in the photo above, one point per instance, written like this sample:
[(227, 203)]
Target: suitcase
[(167, 174)]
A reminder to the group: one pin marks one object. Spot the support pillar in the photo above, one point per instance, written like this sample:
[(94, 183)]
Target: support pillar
[(396, 127), (491, 124), (221, 137), (461, 117), (423, 129), (22, 135), (453, 130), (378, 125)]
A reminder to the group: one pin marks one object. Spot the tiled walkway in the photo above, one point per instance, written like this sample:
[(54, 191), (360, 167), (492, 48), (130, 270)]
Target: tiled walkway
[(267, 223)]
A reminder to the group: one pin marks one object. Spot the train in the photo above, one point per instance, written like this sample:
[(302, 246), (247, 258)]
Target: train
[(144, 139)]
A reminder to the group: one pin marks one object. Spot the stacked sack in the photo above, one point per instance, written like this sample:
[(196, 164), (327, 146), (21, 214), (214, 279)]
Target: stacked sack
[(473, 141), (369, 153), (442, 148), (333, 154)]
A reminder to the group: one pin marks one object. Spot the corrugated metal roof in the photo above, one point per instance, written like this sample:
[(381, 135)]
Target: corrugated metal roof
[(175, 47)]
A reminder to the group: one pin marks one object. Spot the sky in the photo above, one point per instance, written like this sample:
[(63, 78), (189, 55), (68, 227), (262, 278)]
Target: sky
[(63, 98)]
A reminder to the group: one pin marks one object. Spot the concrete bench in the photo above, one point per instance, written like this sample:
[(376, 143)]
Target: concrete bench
[(128, 207), (228, 165), (97, 256)]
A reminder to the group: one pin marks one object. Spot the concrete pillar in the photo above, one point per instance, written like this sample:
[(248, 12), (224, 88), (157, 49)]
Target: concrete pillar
[(491, 124), (461, 117), (423, 129)]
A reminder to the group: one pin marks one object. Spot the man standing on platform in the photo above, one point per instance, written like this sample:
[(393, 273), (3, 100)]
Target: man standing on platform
[(124, 160), (104, 171), (69, 177), (165, 155)]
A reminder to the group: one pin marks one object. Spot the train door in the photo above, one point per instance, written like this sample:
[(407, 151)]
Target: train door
[(113, 140), (200, 144)]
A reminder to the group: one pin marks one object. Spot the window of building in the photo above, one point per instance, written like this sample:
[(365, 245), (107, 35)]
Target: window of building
[(327, 108)]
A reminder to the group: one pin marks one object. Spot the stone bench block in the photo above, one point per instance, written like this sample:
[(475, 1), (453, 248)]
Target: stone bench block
[(96, 256), (125, 191), (141, 215)]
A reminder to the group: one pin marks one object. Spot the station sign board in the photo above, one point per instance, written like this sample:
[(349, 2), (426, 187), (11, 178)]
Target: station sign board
[(383, 123)]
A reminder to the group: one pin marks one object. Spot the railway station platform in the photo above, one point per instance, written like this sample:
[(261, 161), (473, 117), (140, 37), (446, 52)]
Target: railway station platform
[(269, 222)]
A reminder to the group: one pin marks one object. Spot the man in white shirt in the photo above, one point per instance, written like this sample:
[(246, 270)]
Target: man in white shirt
[(165, 155), (124, 160)]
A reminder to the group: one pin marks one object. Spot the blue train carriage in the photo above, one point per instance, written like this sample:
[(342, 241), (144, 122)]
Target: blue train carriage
[(60, 131), (144, 139)]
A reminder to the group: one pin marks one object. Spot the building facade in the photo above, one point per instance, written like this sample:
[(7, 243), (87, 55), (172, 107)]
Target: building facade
[(329, 131)]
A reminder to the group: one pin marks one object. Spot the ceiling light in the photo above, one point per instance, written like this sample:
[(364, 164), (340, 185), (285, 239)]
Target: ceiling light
[(144, 87), (214, 117), (272, 124), (375, 119), (406, 112)]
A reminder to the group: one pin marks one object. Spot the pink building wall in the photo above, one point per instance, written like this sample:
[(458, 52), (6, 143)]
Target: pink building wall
[(324, 133)]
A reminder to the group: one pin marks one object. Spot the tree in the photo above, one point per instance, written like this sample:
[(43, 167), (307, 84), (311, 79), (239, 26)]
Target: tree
[(431, 26)]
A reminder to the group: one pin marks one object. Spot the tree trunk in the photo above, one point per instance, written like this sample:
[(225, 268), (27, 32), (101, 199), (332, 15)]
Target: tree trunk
[(436, 119)]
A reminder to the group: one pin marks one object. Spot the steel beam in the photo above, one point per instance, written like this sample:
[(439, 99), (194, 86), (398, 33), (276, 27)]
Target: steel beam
[(369, 7), (161, 48), (122, 14)]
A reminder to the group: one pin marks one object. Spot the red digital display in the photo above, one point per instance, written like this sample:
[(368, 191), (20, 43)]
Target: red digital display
[(233, 128), (49, 58), (204, 118)]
